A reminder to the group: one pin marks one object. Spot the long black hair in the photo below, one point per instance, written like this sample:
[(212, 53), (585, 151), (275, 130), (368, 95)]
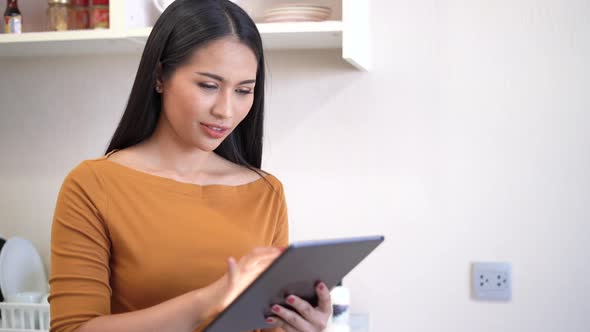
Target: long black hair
[(185, 26)]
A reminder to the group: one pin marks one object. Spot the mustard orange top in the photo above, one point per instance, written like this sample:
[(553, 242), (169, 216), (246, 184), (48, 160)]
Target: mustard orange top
[(124, 240)]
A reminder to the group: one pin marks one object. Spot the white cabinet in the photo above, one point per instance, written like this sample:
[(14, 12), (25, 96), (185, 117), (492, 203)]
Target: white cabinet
[(131, 21)]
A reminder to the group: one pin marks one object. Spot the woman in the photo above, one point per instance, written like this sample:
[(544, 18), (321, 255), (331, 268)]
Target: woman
[(143, 237)]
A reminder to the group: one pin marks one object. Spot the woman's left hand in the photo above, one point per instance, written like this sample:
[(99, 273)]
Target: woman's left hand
[(306, 318)]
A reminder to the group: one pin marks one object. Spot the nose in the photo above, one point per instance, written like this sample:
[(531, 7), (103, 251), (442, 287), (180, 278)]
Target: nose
[(223, 106)]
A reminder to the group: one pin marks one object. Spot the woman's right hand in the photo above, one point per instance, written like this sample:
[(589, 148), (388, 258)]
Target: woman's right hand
[(242, 273)]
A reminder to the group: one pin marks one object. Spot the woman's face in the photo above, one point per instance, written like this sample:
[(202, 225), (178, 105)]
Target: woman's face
[(204, 100)]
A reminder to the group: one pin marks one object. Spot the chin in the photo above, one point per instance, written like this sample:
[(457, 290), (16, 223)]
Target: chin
[(207, 146), (205, 143)]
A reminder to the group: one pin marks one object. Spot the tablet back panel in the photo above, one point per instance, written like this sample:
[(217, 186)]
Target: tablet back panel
[(296, 272)]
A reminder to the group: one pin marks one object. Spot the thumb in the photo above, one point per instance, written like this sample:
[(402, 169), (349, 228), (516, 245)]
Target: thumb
[(233, 272)]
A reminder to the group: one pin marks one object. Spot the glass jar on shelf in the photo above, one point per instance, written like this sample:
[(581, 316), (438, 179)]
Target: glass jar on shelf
[(99, 14), (79, 15), (57, 14)]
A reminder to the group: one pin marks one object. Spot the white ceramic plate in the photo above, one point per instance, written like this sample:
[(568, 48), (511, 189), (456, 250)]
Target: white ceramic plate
[(298, 5), (317, 9), (298, 13), (21, 268), (292, 19), (302, 12)]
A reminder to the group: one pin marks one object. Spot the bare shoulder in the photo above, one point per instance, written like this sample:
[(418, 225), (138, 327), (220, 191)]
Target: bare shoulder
[(220, 170), (243, 175), (127, 157), (240, 174)]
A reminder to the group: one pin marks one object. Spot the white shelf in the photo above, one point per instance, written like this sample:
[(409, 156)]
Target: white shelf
[(300, 35), (349, 34), (81, 42)]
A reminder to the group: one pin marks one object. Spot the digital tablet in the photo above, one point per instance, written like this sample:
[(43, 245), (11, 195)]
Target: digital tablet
[(295, 272)]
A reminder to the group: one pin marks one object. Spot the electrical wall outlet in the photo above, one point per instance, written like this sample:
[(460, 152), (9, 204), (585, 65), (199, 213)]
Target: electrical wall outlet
[(491, 281)]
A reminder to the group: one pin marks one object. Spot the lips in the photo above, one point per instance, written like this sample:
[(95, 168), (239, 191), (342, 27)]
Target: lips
[(213, 130), (213, 125)]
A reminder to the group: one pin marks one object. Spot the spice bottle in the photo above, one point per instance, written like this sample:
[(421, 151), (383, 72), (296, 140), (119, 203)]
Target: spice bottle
[(99, 14), (13, 20), (79, 15)]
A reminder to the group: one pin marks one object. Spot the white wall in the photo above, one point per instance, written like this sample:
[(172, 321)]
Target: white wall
[(469, 140)]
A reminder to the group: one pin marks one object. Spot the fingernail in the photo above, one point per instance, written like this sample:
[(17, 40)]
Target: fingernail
[(321, 286), (270, 320), (276, 309), (290, 300)]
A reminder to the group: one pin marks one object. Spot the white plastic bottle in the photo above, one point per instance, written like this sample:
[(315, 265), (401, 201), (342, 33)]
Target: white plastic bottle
[(340, 305)]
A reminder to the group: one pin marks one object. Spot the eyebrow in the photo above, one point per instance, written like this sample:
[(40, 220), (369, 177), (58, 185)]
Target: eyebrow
[(221, 79)]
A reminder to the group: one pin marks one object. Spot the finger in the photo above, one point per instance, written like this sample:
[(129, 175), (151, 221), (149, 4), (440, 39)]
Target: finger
[(266, 250), (324, 298), (291, 318), (305, 310), (265, 261), (233, 270), (257, 266), (260, 253), (263, 258), (278, 322), (263, 249), (260, 259)]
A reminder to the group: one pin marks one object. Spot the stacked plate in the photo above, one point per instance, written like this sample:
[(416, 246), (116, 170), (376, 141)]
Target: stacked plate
[(21, 269), (2, 242), (297, 13)]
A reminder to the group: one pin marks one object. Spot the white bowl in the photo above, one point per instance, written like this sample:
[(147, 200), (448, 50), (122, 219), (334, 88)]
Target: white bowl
[(24, 297)]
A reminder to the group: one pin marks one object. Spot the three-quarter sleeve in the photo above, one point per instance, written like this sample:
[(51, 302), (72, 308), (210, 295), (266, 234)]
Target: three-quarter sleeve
[(281, 235), (80, 252)]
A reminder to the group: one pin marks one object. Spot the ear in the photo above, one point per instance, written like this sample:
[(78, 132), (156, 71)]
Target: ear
[(159, 80)]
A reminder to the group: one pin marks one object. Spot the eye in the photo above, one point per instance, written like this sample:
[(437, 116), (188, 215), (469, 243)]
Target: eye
[(245, 91), (208, 86)]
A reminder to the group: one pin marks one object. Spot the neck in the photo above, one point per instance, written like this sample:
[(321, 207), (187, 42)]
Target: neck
[(169, 152)]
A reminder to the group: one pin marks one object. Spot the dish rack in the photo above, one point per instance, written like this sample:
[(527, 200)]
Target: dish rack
[(24, 317)]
